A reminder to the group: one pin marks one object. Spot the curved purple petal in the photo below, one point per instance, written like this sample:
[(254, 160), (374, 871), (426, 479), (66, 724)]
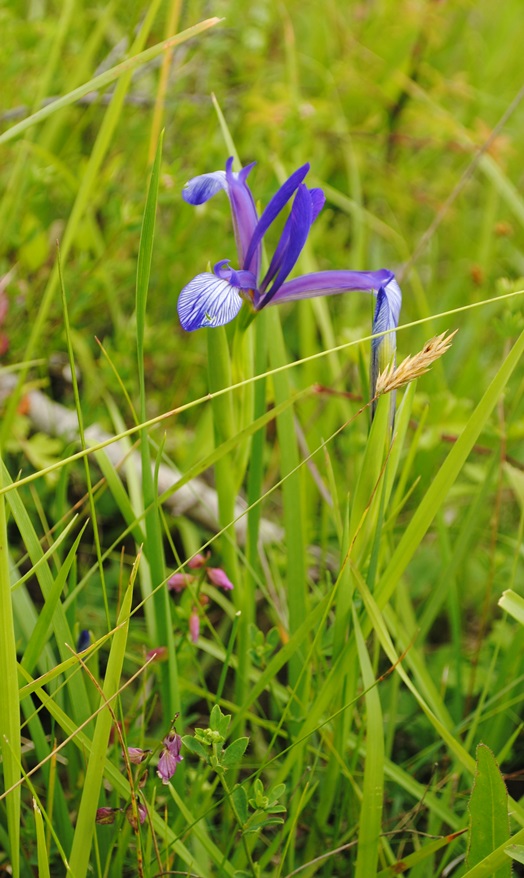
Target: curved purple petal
[(387, 312), (318, 199), (244, 280), (279, 201), (202, 188), (328, 283), (294, 237), (208, 300), (245, 217), (283, 252)]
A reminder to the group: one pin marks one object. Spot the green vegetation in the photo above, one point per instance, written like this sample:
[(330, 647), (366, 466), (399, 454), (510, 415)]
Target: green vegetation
[(350, 706)]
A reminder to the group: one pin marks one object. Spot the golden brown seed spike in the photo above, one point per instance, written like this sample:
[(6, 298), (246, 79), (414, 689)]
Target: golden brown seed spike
[(414, 366)]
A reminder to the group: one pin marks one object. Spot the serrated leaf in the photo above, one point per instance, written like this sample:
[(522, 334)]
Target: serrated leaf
[(488, 809), (234, 752), (194, 746), (239, 797)]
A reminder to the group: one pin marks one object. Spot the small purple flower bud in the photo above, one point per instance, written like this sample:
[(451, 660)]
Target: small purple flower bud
[(158, 654), (84, 640), (170, 757), (197, 561), (105, 816), (136, 755), (179, 581), (142, 814), (217, 577), (194, 625)]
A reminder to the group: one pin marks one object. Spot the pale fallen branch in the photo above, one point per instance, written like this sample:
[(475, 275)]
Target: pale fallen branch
[(196, 500)]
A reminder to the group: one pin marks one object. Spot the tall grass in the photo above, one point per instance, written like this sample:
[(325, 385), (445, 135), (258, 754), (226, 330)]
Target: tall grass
[(336, 707)]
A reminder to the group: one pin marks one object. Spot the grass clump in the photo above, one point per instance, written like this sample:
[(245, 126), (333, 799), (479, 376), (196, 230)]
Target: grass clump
[(245, 629)]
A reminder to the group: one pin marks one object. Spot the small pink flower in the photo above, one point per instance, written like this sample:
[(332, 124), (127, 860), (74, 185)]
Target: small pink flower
[(179, 581), (194, 625), (158, 654), (197, 561), (217, 577), (105, 816), (142, 814), (136, 755), (170, 757)]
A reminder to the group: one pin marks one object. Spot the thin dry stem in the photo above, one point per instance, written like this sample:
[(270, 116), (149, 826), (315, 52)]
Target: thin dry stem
[(414, 366)]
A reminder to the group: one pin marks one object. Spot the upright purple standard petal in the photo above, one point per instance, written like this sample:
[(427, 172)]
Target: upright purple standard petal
[(277, 203), (245, 217), (291, 244)]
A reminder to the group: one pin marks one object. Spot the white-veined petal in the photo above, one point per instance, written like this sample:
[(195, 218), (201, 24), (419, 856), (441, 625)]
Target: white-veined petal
[(208, 300)]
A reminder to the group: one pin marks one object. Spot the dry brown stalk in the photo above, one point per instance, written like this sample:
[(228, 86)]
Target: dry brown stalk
[(414, 366)]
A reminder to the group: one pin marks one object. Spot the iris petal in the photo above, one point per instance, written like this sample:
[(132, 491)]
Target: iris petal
[(245, 217), (208, 300), (277, 203), (298, 228), (202, 188), (328, 283)]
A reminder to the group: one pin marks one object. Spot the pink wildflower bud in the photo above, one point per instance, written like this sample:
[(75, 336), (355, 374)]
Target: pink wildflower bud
[(217, 577), (105, 816), (194, 625), (170, 757), (197, 561), (142, 814), (136, 755), (158, 654), (179, 581)]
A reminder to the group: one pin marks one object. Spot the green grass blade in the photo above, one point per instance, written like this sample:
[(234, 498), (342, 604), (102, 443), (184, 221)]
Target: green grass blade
[(444, 479), (82, 840), (153, 546), (292, 490), (513, 604), (9, 700), (488, 811), (106, 78), (373, 786), (41, 846)]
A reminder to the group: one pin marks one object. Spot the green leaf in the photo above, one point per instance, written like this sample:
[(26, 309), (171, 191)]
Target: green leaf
[(488, 809), (234, 752), (373, 784), (513, 604), (239, 797), (194, 746), (218, 721), (41, 847), (516, 852)]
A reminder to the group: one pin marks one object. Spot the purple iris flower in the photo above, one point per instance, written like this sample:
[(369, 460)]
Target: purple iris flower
[(213, 299)]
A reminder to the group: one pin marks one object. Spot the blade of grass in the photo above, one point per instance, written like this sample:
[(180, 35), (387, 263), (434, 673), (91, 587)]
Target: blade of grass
[(41, 847), (153, 546), (373, 784), (88, 182), (109, 76), (10, 741), (292, 499), (444, 479), (83, 837)]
